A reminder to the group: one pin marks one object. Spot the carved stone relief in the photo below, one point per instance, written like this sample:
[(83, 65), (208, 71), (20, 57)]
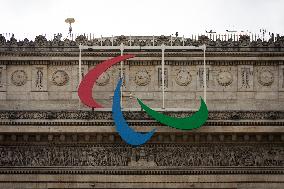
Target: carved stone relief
[(244, 41), (60, 78), (142, 78), (225, 78), (39, 77), (245, 78), (103, 79), (281, 78), (265, 77), (183, 77), (1, 77), (150, 155), (19, 77)]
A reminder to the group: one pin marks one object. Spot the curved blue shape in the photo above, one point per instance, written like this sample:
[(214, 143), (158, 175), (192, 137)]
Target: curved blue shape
[(127, 134)]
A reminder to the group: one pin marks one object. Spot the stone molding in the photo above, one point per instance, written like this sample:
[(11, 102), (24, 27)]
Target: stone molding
[(258, 116)]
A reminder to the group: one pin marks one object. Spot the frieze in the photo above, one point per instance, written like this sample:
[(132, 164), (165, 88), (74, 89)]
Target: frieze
[(150, 156), (159, 137)]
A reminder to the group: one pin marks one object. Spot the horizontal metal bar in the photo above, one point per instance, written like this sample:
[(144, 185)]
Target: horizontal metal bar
[(142, 47)]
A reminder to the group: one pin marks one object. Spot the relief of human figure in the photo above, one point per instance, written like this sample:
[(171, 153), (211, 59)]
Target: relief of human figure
[(39, 78)]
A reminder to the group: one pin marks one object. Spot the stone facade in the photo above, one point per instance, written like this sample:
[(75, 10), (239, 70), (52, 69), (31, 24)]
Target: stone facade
[(48, 139)]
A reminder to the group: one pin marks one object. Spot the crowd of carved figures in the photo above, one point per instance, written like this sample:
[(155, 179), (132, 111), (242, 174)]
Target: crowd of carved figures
[(158, 155)]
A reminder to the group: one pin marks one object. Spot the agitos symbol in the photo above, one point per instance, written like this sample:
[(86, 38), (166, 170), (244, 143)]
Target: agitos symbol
[(127, 133)]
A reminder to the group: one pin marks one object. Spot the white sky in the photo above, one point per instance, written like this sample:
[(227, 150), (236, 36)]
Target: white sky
[(143, 17)]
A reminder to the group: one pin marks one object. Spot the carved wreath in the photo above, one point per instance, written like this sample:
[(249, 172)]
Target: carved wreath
[(142, 78), (183, 78), (19, 77), (103, 79), (60, 78), (266, 78), (225, 78)]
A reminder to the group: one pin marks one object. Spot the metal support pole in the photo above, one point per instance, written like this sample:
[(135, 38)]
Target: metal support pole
[(204, 74), (163, 74), (121, 72), (80, 70), (80, 66)]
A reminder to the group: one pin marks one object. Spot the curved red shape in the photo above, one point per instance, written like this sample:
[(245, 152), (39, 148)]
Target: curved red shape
[(88, 82)]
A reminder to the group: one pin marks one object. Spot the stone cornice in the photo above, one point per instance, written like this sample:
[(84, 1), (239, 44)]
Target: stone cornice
[(139, 54), (137, 115), (142, 171)]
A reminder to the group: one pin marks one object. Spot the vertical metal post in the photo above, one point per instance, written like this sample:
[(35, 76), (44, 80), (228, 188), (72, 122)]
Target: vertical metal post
[(163, 74), (204, 73), (80, 65), (121, 72), (79, 70)]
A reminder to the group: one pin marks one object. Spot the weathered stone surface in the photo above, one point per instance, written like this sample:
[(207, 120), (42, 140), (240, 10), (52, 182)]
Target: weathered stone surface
[(48, 139)]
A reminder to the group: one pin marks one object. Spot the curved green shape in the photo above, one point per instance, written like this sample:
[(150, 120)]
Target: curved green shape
[(187, 123)]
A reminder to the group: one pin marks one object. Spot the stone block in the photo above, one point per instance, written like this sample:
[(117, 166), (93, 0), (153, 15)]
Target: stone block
[(18, 95), (39, 95), (245, 95), (266, 95), (2, 95), (59, 95)]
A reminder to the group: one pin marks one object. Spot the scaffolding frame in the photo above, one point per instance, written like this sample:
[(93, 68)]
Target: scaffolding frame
[(162, 48)]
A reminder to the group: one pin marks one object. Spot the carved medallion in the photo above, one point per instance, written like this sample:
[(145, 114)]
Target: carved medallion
[(142, 78), (266, 78), (225, 78), (183, 78), (103, 79), (19, 77), (60, 78)]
